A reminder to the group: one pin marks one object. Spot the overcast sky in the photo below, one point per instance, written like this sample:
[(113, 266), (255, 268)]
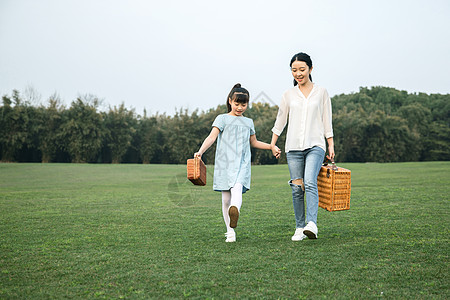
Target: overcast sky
[(166, 55)]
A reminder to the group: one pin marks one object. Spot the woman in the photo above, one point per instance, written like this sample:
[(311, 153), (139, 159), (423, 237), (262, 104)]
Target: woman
[(308, 108)]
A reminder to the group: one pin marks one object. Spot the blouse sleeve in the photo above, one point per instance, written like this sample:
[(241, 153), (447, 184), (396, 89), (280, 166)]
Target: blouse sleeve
[(218, 122), (282, 116), (327, 116)]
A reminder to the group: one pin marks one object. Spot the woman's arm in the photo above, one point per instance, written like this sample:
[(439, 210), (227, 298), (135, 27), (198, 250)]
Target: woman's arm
[(210, 139), (274, 147), (280, 123), (327, 125), (331, 153), (282, 116), (261, 145)]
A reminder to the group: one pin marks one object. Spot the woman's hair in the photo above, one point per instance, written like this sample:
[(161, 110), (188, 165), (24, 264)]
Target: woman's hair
[(238, 94), (302, 57)]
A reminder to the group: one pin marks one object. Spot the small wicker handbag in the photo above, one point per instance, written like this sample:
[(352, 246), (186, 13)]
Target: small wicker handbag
[(196, 171)]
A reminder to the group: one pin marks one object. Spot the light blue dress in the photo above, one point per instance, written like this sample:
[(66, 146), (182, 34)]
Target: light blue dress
[(233, 156)]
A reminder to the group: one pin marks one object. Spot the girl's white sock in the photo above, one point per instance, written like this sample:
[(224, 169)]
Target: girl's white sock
[(231, 198), (236, 196), (226, 200)]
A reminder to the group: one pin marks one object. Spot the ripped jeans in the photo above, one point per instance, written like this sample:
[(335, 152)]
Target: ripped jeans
[(305, 165)]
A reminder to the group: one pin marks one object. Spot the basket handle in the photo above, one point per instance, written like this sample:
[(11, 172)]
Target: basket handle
[(333, 164)]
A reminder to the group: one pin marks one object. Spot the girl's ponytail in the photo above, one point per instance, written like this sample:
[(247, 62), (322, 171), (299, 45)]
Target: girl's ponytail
[(236, 86)]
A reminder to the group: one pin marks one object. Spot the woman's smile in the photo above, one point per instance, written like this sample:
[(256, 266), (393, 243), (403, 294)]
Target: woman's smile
[(301, 72)]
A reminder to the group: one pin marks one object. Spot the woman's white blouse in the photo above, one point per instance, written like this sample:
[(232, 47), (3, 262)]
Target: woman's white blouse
[(309, 118)]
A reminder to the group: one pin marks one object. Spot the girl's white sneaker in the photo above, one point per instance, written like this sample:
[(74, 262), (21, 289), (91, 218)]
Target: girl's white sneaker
[(233, 212), (298, 235), (231, 237)]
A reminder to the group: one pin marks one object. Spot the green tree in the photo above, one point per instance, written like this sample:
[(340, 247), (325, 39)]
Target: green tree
[(387, 139), (120, 126), (375, 124), (384, 124), (185, 134), (349, 133), (83, 131), (150, 139), (14, 121), (437, 142), (50, 121)]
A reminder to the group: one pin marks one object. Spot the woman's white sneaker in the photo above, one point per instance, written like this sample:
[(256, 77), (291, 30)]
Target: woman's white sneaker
[(231, 237), (298, 235), (311, 230)]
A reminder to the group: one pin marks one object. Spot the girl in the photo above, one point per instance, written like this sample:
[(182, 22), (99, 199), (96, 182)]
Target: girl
[(308, 107), (235, 134)]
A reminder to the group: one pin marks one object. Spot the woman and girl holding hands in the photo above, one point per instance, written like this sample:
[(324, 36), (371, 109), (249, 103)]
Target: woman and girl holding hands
[(307, 109)]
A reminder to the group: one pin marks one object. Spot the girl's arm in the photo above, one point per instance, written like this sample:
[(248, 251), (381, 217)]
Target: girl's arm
[(210, 139), (261, 145)]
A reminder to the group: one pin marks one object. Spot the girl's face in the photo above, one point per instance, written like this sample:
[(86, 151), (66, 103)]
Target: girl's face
[(237, 108), (301, 71)]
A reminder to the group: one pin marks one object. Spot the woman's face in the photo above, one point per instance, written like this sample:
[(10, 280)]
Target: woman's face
[(301, 71), (237, 108)]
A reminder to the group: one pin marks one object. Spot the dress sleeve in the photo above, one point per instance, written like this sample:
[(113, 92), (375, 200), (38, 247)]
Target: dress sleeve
[(219, 122), (327, 116), (252, 128), (282, 116)]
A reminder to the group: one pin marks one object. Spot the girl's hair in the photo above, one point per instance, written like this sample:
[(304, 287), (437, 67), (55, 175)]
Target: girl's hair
[(238, 94), (302, 57)]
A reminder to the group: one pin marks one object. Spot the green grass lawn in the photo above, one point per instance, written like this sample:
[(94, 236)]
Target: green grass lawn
[(143, 231)]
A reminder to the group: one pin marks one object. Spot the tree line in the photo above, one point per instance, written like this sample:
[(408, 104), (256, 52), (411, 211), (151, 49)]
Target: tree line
[(377, 124)]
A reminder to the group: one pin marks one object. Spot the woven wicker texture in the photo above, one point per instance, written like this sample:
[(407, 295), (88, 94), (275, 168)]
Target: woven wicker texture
[(334, 188), (196, 171)]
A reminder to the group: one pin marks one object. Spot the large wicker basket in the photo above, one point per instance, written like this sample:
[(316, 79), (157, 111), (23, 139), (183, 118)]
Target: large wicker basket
[(334, 184), (196, 171)]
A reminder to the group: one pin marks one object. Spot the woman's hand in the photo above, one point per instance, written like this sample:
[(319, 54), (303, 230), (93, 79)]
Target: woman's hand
[(198, 154), (331, 153), (276, 151)]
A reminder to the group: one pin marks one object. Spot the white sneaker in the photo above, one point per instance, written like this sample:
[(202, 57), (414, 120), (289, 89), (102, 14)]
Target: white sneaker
[(311, 230), (298, 235), (231, 237)]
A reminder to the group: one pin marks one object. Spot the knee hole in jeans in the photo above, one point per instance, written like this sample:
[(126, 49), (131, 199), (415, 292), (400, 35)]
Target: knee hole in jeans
[(297, 182)]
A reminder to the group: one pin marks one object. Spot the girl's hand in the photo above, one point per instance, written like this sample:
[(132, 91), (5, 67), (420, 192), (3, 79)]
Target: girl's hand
[(276, 151), (197, 154)]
